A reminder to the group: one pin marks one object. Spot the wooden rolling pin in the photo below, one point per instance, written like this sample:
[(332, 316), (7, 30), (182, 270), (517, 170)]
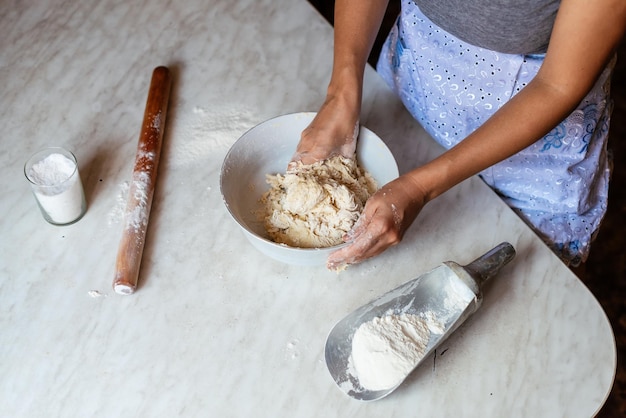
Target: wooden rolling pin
[(141, 188)]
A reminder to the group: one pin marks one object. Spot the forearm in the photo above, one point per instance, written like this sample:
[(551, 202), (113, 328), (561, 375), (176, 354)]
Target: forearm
[(526, 118), (356, 25), (582, 42), (334, 130)]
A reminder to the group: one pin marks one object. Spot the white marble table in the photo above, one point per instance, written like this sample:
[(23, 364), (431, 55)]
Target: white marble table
[(214, 328)]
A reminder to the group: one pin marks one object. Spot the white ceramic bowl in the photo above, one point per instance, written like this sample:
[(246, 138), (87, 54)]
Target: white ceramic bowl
[(267, 149)]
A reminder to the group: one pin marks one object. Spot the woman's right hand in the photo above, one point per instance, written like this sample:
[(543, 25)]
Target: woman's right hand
[(333, 131)]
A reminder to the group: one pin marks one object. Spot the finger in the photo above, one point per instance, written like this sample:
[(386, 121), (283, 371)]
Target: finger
[(352, 254), (348, 149), (293, 164), (365, 245), (310, 157), (359, 227), (364, 248), (298, 158)]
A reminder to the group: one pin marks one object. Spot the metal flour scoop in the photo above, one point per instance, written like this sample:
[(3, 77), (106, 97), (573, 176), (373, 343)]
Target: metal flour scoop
[(445, 297)]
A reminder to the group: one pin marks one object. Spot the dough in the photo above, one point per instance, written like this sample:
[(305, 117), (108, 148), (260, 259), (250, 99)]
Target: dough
[(313, 206)]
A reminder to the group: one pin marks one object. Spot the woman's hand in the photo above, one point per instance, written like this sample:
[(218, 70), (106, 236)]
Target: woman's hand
[(336, 126), (333, 132), (386, 217)]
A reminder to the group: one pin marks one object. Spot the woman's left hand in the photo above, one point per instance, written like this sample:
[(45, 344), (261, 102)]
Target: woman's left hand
[(386, 217)]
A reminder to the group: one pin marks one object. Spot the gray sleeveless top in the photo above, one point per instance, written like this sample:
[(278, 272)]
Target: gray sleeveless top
[(508, 26)]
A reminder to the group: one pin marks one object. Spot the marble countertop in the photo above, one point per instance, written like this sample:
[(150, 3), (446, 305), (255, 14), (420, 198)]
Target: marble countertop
[(216, 329)]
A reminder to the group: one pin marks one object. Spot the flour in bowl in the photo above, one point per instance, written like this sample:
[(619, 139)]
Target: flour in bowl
[(313, 206)]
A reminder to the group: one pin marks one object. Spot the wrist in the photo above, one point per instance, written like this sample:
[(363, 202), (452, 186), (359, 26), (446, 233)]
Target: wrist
[(429, 181), (342, 108), (346, 85)]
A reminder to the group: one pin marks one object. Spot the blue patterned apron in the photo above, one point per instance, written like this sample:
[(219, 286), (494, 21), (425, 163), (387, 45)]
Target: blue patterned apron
[(558, 185)]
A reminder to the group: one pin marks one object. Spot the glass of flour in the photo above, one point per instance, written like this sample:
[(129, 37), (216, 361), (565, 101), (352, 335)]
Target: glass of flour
[(55, 182)]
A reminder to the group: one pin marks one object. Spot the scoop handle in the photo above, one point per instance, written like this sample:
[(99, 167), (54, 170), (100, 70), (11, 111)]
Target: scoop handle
[(489, 264)]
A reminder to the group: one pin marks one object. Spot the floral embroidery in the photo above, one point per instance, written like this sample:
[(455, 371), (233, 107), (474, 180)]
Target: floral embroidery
[(554, 139)]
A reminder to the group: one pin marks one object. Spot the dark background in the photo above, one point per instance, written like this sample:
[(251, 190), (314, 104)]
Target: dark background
[(605, 270)]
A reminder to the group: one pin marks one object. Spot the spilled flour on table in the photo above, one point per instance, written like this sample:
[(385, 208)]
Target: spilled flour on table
[(116, 214), (95, 294), (206, 130)]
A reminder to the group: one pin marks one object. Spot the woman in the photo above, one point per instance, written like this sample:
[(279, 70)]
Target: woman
[(518, 93)]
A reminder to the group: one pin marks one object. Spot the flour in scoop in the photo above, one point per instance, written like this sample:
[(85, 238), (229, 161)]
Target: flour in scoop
[(386, 349)]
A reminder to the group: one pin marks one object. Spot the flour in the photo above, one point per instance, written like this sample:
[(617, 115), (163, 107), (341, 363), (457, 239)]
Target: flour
[(95, 294), (386, 349), (58, 189), (116, 214), (136, 216), (434, 324), (458, 296), (156, 121), (205, 132)]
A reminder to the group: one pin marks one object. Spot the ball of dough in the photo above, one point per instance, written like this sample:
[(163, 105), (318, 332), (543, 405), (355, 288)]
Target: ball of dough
[(313, 206)]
